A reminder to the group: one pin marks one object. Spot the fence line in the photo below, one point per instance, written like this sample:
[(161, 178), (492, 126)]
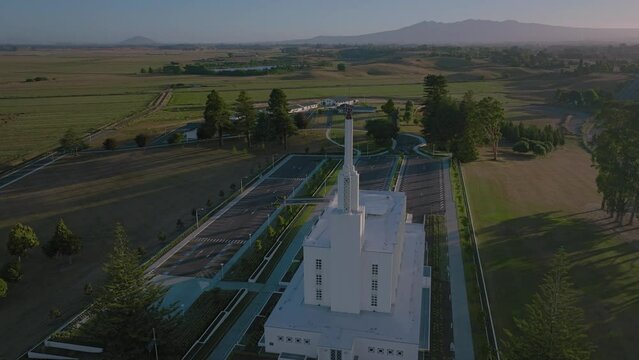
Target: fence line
[(485, 302)]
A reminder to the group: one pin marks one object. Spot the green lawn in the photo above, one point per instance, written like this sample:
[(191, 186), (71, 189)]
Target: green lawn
[(525, 210), (42, 121)]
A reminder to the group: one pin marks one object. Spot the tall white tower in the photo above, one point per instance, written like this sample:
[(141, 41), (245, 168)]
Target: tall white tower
[(348, 187), (347, 233)]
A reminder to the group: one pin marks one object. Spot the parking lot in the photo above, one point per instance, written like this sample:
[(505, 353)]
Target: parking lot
[(375, 172), (423, 185), (206, 253)]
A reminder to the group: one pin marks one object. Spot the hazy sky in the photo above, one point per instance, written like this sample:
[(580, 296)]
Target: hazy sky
[(101, 21)]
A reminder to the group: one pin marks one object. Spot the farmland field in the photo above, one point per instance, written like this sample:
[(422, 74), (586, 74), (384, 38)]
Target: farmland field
[(89, 88), (149, 190), (526, 209)]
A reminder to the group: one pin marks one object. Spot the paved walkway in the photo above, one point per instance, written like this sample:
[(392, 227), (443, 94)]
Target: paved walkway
[(462, 332), (235, 333)]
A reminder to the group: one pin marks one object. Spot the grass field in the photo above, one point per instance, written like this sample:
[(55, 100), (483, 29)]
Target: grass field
[(524, 210), (91, 88)]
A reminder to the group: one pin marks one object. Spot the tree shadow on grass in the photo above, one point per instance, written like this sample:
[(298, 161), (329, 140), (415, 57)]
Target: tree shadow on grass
[(516, 254)]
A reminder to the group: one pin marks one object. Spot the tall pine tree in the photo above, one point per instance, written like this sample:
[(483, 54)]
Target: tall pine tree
[(553, 327), (246, 116), (279, 118), (216, 117), (128, 310)]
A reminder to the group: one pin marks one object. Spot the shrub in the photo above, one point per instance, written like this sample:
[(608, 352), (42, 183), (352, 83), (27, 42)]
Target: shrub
[(88, 289), (3, 288), (54, 313), (109, 144), (141, 140), (539, 150), (521, 147), (13, 271), (176, 138)]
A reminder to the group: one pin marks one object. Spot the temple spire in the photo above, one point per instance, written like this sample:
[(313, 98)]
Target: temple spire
[(349, 178)]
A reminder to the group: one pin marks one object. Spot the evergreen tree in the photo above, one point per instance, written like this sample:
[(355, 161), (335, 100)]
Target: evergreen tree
[(128, 308), (262, 129), (553, 327), (216, 117), (63, 242), (22, 238), (389, 107), (279, 118), (442, 117), (435, 91), (246, 115), (409, 109)]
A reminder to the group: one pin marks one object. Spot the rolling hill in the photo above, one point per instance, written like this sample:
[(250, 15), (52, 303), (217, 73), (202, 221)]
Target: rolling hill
[(482, 32), (138, 41)]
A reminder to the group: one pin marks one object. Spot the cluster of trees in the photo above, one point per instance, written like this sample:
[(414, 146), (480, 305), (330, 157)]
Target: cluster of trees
[(223, 69), (532, 138), (590, 98), (553, 325), (604, 66), (22, 239), (37, 78), (273, 124), (523, 57), (617, 160), (383, 130), (72, 142), (150, 70), (460, 126)]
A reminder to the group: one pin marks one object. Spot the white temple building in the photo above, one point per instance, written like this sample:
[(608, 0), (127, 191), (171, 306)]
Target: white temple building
[(363, 291)]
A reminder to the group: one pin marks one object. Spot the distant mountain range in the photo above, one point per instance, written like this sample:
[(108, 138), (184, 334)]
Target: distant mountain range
[(138, 41), (481, 32)]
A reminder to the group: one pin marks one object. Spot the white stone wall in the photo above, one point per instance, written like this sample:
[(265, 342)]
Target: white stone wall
[(311, 254), (384, 262), (345, 266)]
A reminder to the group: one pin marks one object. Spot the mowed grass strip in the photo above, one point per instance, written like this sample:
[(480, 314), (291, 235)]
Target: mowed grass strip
[(526, 209)]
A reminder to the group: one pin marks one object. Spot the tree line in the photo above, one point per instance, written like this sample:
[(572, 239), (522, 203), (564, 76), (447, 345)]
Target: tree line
[(616, 156), (460, 126), (273, 124), (588, 99), (531, 138)]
